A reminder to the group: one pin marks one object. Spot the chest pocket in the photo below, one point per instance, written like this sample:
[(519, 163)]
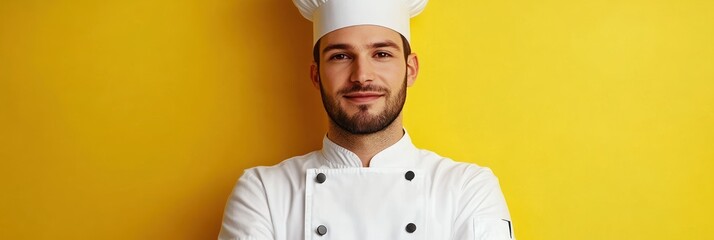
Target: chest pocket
[(365, 203)]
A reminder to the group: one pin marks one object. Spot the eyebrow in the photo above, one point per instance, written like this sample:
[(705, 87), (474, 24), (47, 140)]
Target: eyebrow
[(340, 46), (387, 43), (343, 46)]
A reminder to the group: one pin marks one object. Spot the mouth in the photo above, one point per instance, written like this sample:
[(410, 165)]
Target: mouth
[(363, 97)]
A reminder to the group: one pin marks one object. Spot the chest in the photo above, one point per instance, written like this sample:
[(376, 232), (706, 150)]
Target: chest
[(363, 203)]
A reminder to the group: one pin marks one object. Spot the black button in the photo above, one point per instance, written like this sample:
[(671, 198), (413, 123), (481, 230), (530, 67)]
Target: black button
[(322, 230), (411, 227), (409, 176), (320, 178)]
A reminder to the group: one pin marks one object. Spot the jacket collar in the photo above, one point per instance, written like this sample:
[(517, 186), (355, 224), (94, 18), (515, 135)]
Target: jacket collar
[(399, 155)]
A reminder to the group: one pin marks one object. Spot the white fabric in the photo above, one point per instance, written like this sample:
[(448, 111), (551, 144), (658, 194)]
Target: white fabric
[(334, 203), (330, 15), (445, 199)]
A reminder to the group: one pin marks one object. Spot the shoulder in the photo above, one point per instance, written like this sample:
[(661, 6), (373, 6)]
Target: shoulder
[(259, 195), (475, 188), (463, 172), (289, 170)]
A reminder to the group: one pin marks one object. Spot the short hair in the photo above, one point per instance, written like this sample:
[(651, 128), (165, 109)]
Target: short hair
[(316, 50)]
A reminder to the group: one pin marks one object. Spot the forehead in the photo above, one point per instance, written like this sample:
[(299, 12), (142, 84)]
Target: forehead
[(361, 35)]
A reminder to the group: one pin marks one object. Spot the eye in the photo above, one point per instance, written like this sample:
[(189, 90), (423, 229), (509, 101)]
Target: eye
[(339, 56), (382, 55)]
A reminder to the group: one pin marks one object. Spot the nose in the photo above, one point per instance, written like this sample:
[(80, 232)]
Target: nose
[(362, 71)]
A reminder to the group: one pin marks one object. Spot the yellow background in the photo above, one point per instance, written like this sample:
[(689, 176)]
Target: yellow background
[(132, 119)]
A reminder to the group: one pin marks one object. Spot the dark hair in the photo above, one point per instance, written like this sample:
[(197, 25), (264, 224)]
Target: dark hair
[(316, 50)]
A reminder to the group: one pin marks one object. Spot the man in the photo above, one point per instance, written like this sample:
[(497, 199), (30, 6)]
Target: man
[(368, 182)]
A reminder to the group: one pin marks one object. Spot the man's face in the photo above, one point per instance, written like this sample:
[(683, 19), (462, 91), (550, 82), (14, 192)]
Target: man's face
[(363, 77)]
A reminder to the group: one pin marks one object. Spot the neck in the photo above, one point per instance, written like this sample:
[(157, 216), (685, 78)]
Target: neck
[(367, 145)]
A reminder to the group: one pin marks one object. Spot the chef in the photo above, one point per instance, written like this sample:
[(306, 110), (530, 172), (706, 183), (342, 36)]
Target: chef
[(368, 182)]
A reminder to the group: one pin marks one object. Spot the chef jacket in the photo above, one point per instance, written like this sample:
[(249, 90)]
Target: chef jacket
[(405, 193)]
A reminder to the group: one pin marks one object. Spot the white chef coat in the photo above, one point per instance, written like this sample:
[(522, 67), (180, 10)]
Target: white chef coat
[(406, 193)]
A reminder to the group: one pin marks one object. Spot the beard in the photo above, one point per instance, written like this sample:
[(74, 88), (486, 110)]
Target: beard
[(364, 122)]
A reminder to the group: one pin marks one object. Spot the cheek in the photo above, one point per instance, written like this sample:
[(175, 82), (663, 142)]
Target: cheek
[(334, 74), (328, 85), (333, 79), (394, 74)]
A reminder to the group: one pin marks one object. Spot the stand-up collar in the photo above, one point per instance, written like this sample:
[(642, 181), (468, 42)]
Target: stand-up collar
[(401, 154)]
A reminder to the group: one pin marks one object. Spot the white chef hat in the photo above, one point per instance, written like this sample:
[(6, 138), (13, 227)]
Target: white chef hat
[(330, 15)]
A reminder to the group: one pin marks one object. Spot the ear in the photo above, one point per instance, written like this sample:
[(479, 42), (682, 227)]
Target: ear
[(412, 69), (315, 75)]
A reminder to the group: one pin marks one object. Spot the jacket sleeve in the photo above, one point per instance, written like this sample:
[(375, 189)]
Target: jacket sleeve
[(483, 212), (247, 215)]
